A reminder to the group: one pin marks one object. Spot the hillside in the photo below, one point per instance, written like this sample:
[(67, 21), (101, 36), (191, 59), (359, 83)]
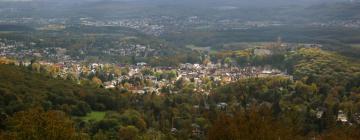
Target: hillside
[(21, 89), (323, 67)]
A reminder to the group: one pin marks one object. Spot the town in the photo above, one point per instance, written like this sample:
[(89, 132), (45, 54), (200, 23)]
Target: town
[(142, 78)]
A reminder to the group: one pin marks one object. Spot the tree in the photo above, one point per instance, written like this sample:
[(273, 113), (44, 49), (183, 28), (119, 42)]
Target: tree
[(100, 136), (172, 75), (36, 124), (36, 67), (97, 81), (152, 134), (81, 109), (128, 133), (147, 71), (117, 71), (228, 61), (133, 117), (254, 124), (346, 133)]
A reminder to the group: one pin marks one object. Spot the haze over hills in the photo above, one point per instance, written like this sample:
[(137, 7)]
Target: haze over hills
[(120, 8)]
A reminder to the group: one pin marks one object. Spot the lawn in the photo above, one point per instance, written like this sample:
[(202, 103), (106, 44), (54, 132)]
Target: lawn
[(96, 116)]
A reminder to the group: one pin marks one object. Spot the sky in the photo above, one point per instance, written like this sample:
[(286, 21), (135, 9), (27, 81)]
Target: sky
[(239, 3), (256, 1)]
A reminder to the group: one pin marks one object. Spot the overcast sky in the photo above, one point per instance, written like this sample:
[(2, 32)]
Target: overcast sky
[(200, 2)]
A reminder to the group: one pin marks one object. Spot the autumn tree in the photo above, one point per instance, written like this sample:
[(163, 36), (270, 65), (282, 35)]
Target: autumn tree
[(128, 133), (253, 124), (37, 124), (96, 81)]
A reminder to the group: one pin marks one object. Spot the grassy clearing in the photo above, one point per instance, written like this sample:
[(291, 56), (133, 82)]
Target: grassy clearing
[(245, 45), (198, 48), (96, 116), (8, 32), (357, 46)]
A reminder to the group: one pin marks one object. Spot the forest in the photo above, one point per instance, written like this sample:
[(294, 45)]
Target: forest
[(325, 86)]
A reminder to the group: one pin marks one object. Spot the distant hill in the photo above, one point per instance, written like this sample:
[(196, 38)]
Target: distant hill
[(335, 11), (15, 28)]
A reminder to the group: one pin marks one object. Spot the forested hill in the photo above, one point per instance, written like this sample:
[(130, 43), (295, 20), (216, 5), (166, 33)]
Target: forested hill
[(33, 101), (21, 89), (324, 68)]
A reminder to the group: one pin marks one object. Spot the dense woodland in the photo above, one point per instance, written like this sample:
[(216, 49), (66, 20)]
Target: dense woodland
[(36, 106)]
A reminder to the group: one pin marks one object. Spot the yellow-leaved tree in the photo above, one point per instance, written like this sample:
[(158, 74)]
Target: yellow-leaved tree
[(37, 124)]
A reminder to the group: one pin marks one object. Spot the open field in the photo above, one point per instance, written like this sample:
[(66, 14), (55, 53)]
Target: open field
[(193, 47), (95, 115), (356, 46)]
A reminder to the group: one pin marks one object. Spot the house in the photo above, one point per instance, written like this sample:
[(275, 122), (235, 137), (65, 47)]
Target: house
[(221, 106), (141, 64), (109, 86), (141, 92), (150, 90), (319, 114), (173, 130), (226, 79), (356, 117), (342, 117), (196, 131), (262, 52)]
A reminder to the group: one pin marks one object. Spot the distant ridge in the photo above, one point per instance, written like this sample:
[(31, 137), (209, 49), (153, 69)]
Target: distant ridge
[(8, 27)]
